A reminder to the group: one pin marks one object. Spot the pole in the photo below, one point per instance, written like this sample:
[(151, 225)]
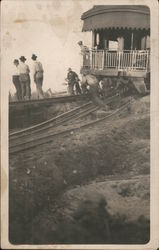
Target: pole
[(132, 40), (93, 38)]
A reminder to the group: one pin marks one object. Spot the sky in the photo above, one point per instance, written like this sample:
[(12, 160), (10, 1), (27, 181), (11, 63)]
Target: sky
[(49, 29)]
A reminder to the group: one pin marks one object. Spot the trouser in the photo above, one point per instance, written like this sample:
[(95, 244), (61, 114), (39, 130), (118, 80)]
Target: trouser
[(25, 86), (70, 89), (17, 85), (39, 82), (29, 88), (26, 91), (78, 89), (86, 60)]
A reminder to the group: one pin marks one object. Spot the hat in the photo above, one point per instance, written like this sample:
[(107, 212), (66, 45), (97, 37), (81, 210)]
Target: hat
[(80, 42), (33, 56), (15, 61), (69, 69), (22, 58)]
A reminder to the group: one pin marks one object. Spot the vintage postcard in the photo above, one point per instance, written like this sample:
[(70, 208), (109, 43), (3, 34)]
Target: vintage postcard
[(79, 124)]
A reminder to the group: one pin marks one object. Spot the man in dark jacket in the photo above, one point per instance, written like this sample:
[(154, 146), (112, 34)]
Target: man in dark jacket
[(77, 86), (72, 79)]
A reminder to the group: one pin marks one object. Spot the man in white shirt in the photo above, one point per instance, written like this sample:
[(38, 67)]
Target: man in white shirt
[(84, 49), (93, 83), (38, 76), (15, 79), (24, 78), (85, 54)]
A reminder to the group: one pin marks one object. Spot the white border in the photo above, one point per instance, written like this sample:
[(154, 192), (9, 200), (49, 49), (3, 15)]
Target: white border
[(154, 211)]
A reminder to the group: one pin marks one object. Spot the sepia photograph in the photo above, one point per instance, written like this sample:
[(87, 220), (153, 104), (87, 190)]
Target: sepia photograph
[(77, 100)]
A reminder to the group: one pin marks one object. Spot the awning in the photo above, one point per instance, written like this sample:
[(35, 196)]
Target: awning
[(117, 16)]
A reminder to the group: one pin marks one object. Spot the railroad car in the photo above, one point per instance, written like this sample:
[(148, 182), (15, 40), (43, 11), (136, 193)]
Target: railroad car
[(120, 43)]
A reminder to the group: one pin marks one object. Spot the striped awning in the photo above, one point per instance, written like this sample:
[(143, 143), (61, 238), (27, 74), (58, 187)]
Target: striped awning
[(116, 16)]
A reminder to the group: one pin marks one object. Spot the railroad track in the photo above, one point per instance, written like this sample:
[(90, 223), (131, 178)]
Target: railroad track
[(26, 136), (48, 100), (58, 120), (54, 122), (23, 142)]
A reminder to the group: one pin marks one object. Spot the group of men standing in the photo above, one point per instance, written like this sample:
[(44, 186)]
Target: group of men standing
[(21, 78)]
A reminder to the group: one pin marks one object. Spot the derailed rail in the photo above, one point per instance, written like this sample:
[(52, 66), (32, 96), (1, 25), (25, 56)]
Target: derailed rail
[(46, 138)]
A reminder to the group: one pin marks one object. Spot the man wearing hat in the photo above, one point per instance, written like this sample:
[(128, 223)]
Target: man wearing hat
[(38, 73), (72, 79), (85, 54), (24, 78), (15, 79)]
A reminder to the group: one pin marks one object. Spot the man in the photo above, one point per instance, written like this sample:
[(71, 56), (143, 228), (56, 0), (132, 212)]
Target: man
[(72, 80), (15, 79), (85, 53), (38, 75), (106, 87), (24, 78), (93, 83), (122, 84), (77, 86), (84, 49)]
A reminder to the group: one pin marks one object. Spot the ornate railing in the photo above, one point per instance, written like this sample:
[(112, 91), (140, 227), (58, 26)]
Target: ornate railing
[(121, 60)]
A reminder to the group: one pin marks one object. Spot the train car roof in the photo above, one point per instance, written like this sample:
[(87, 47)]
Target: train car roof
[(116, 16)]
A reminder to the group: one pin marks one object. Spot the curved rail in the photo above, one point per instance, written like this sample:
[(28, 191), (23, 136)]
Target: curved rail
[(58, 120), (48, 122), (48, 138), (50, 127)]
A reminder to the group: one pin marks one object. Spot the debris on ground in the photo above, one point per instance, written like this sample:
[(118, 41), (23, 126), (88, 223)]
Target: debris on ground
[(109, 159)]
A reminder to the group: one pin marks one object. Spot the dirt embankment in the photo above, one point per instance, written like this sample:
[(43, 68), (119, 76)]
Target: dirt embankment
[(49, 183)]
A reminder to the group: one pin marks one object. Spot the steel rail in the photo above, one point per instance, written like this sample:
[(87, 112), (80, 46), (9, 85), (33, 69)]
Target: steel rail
[(52, 126), (58, 120), (48, 100), (54, 119), (48, 138)]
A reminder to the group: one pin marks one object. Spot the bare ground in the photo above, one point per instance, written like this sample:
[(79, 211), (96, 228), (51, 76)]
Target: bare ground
[(109, 161)]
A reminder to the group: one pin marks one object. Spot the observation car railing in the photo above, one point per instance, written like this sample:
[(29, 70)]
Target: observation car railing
[(121, 60)]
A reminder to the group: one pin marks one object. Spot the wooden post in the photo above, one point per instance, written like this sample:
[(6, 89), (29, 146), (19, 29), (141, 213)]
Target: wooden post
[(119, 59), (93, 38), (147, 60), (132, 40), (103, 59)]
